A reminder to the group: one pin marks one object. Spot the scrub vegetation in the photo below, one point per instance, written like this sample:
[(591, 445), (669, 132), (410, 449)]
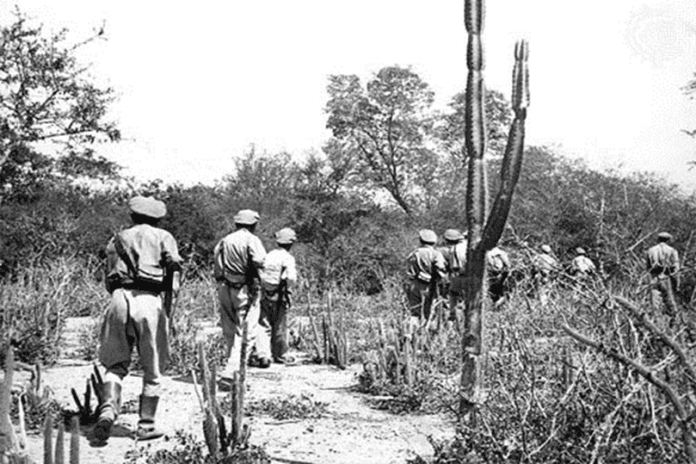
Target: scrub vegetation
[(592, 374)]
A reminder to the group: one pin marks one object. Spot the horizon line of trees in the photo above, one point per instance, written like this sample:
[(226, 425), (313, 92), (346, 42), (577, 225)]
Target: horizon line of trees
[(387, 143)]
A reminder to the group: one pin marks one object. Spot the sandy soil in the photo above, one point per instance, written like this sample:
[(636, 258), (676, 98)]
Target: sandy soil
[(349, 431)]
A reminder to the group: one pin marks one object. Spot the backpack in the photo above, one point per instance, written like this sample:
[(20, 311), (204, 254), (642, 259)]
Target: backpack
[(496, 263)]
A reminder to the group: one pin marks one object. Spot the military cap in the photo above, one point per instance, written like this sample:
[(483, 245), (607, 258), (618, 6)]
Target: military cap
[(246, 217), (427, 236), (453, 235), (664, 236), (147, 206), (580, 251), (546, 248), (285, 236)]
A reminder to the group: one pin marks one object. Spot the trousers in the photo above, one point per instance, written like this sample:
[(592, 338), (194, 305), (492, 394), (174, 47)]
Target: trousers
[(135, 318), (237, 307)]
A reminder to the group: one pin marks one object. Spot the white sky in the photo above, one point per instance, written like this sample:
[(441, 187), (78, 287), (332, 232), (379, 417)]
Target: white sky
[(198, 83)]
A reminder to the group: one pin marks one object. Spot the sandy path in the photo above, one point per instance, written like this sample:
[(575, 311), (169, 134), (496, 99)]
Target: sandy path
[(349, 432)]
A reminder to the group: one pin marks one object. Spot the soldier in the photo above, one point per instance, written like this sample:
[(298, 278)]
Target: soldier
[(278, 278), (497, 269), (544, 268), (238, 259), (455, 264), (142, 262), (662, 264), (425, 267), (582, 266)]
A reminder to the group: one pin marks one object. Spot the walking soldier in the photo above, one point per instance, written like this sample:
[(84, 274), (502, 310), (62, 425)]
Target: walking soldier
[(662, 264), (456, 264), (497, 270), (278, 278), (140, 262), (238, 258), (425, 267)]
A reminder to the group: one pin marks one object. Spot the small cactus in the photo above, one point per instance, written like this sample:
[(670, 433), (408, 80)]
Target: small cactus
[(215, 431)]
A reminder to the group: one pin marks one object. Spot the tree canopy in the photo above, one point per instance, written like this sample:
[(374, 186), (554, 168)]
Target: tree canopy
[(49, 105)]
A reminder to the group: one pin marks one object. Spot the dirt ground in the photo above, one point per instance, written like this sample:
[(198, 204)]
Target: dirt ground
[(348, 431)]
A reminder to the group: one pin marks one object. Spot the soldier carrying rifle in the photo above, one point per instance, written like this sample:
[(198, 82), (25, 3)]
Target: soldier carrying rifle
[(278, 279), (662, 264), (143, 262), (426, 266)]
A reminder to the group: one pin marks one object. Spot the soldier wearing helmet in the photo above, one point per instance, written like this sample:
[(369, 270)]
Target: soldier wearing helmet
[(662, 264), (278, 279), (425, 266), (239, 257), (143, 262)]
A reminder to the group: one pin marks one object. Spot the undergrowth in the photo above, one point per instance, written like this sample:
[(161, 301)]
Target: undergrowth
[(292, 407)]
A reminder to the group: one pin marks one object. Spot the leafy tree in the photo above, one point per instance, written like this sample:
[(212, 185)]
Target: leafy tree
[(48, 105), (498, 119), (381, 133)]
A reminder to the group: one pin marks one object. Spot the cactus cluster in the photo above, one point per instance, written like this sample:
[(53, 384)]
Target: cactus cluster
[(13, 445), (331, 345), (485, 229), (86, 413), (222, 439)]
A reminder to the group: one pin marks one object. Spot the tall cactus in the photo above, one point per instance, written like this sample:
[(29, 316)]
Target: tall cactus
[(485, 230)]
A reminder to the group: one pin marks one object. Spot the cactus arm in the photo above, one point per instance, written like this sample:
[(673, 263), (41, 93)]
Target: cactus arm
[(474, 121), (512, 160)]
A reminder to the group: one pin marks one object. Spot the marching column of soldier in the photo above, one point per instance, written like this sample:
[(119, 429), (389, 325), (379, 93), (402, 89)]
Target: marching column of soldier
[(254, 288)]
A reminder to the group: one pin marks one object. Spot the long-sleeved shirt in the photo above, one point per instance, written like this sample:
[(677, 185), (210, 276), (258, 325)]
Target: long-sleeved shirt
[(239, 256), (581, 264), (425, 263), (497, 260), (149, 249), (456, 258), (662, 259), (278, 265)]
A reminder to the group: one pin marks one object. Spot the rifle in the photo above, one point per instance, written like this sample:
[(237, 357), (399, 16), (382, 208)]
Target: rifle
[(282, 292), (172, 273)]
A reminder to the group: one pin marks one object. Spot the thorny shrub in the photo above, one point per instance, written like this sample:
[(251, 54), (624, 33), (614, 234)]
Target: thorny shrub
[(548, 399), (292, 407), (188, 449), (35, 303)]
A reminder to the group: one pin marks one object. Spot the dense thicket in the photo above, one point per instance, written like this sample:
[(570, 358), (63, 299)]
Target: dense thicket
[(348, 235)]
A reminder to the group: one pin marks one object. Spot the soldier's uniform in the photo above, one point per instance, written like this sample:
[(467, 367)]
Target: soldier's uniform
[(581, 265), (278, 278), (139, 259), (238, 258), (662, 263), (497, 270), (455, 263), (425, 266)]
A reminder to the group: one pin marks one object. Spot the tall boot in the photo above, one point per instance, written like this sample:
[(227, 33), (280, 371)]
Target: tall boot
[(146, 424), (108, 411)]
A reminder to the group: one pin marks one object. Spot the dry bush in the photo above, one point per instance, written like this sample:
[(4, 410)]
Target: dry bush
[(292, 407), (35, 302), (549, 399)]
